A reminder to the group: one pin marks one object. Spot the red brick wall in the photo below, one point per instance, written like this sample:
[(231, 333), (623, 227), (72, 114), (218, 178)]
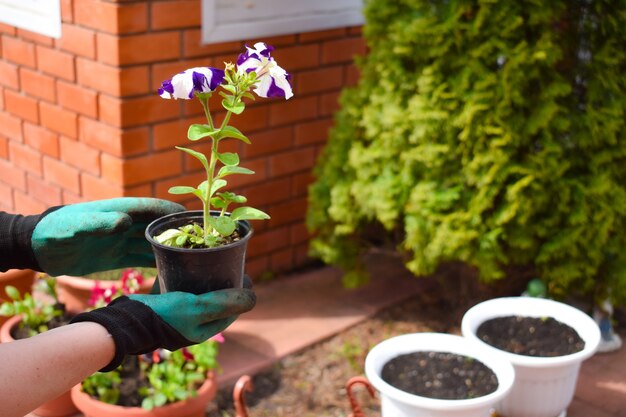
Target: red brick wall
[(80, 118)]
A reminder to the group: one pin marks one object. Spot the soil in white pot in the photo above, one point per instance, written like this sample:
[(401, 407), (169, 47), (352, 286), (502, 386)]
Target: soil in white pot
[(440, 375), (530, 336)]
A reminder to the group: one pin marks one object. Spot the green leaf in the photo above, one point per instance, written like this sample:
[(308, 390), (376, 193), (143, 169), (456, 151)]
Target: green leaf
[(196, 155), (218, 203), (159, 399), (233, 132), (197, 132), (203, 187), (12, 292), (147, 404), (181, 190), (228, 158), (229, 170), (169, 234), (248, 213), (224, 225), (6, 309), (217, 184), (180, 240), (236, 108), (230, 88)]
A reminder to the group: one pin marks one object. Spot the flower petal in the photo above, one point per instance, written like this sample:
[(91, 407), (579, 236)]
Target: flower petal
[(190, 81)]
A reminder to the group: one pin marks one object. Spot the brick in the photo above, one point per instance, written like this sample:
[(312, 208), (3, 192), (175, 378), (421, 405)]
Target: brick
[(37, 84), (58, 119), (111, 18), (342, 50), (135, 141), (175, 14), (352, 74), (323, 79), (8, 29), (67, 14), (41, 139), (26, 205), (355, 30), (253, 118), (268, 241), (257, 268), (141, 169), (19, 51), (54, 62), (300, 183), (282, 260), (25, 157), (298, 233), (192, 180), (112, 80), (288, 212), (11, 126), (138, 49), (276, 41), (95, 188), (293, 161), (302, 257), (48, 194), (169, 134), (100, 136), (21, 105), (110, 110), (138, 191), (298, 57), (269, 141), (6, 197), (78, 40), (193, 46), (4, 147), (294, 110), (9, 75), (322, 35), (142, 110), (268, 192), (12, 175), (313, 132), (61, 174), (259, 166), (76, 98), (329, 103), (34, 37), (71, 198), (80, 155)]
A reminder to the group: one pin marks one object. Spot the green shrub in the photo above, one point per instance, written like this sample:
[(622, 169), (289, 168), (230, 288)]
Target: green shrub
[(487, 132)]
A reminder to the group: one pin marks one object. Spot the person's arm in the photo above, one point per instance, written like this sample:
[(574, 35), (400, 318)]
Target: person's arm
[(42, 367)]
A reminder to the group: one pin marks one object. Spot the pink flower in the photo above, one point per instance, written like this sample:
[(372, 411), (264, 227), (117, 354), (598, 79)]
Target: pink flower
[(131, 280), (219, 338)]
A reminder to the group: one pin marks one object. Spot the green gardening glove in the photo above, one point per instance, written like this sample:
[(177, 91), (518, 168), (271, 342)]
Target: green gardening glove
[(81, 238)]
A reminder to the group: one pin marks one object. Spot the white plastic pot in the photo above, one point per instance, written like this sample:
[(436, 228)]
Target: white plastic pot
[(544, 387), (398, 403)]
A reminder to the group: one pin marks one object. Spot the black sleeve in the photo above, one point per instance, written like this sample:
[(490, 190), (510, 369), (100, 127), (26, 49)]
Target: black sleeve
[(15, 248)]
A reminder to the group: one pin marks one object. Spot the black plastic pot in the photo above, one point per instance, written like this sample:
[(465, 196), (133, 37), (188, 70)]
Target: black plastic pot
[(197, 270)]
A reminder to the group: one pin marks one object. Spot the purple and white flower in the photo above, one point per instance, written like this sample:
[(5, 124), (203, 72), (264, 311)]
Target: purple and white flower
[(190, 81), (273, 80)]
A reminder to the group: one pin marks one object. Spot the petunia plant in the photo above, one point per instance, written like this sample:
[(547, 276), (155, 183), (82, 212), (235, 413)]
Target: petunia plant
[(255, 71)]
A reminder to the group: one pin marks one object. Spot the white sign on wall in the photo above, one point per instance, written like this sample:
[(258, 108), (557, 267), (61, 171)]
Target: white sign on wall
[(229, 20), (40, 16)]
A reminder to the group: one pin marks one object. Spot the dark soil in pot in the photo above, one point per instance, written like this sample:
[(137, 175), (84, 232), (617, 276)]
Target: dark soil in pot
[(530, 336), (440, 375), (132, 380), (20, 332)]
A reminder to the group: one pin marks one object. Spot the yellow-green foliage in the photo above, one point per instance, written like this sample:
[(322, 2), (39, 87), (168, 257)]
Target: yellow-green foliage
[(490, 132)]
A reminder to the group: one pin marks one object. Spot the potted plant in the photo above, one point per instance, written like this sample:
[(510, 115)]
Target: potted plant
[(33, 315), (436, 375), (76, 293), (544, 385), (173, 384), (204, 250), (22, 279)]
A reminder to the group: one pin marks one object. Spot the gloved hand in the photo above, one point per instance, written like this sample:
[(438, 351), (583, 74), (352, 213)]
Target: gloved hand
[(81, 238), (142, 323)]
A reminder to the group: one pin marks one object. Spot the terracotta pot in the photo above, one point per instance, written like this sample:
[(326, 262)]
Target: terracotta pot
[(75, 292), (22, 279), (192, 407), (61, 406)]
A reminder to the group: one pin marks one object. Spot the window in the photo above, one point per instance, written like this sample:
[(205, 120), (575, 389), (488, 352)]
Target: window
[(228, 20), (40, 16)]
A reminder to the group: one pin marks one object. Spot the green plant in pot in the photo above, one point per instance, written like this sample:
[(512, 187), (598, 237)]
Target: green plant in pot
[(200, 251)]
